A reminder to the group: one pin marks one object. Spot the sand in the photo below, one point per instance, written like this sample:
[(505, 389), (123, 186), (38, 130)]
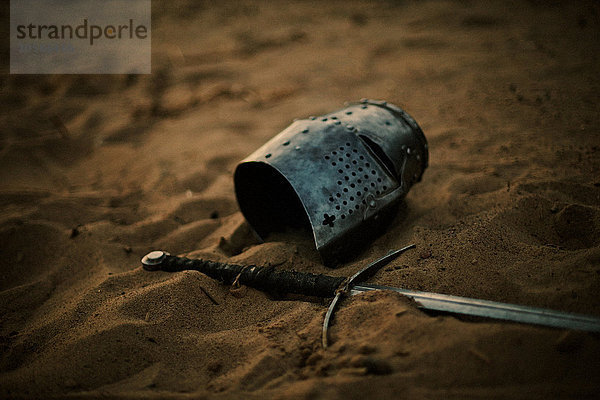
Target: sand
[(95, 171)]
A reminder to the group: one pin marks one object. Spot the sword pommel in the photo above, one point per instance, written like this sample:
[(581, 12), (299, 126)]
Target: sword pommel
[(153, 260)]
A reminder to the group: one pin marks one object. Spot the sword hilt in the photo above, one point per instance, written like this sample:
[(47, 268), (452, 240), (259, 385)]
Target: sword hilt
[(267, 279)]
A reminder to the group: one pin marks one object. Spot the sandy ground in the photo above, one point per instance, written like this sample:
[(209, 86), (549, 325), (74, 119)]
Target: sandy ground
[(95, 171)]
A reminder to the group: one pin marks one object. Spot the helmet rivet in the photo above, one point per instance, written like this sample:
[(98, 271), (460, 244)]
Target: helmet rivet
[(371, 201)]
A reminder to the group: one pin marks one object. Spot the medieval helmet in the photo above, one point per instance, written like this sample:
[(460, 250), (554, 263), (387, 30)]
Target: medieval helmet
[(340, 175)]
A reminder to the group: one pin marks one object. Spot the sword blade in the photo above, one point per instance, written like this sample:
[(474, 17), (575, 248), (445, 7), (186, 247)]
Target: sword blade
[(491, 309)]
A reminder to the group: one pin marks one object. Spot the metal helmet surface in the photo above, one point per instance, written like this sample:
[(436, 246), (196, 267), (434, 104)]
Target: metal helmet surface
[(340, 175)]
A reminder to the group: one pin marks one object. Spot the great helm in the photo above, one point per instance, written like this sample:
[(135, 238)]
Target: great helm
[(340, 175)]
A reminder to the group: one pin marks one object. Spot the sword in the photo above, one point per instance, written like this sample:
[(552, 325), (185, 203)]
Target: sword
[(271, 280)]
